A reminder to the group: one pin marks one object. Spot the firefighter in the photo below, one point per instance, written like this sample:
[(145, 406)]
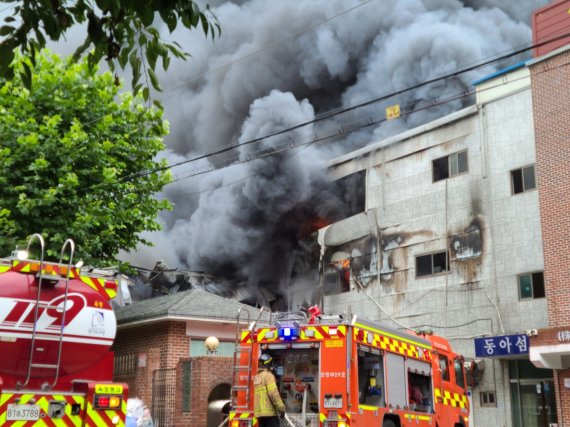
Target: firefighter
[(268, 404)]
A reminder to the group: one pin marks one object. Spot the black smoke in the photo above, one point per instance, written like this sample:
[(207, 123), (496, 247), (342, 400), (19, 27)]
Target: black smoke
[(279, 63)]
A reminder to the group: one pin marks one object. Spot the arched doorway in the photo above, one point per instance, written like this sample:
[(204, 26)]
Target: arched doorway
[(219, 404)]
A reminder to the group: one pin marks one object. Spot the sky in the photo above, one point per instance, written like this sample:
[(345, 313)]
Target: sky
[(278, 64)]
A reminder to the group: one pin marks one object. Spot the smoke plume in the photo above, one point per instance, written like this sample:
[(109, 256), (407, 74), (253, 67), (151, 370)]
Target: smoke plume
[(280, 63)]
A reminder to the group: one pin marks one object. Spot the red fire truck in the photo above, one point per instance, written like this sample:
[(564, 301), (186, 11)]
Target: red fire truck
[(56, 330), (334, 371)]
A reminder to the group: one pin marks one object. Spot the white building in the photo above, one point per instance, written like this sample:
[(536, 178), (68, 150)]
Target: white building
[(450, 240)]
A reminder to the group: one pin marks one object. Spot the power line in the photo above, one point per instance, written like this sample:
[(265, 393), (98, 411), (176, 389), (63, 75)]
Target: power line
[(336, 112), (368, 123)]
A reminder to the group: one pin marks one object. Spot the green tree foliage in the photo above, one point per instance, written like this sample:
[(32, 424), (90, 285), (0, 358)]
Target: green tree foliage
[(77, 160), (123, 31)]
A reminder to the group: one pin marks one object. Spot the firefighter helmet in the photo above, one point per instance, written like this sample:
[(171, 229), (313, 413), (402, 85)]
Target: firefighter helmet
[(265, 360)]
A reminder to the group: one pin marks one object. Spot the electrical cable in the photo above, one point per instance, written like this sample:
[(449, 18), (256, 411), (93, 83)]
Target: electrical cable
[(378, 305), (368, 123), (464, 94), (333, 113)]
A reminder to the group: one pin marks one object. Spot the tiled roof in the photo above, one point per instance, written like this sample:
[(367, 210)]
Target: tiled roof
[(192, 304)]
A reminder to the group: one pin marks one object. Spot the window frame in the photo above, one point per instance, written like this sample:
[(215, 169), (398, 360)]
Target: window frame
[(449, 163), (433, 273), (485, 398), (444, 366), (521, 171), (531, 274), (459, 369)]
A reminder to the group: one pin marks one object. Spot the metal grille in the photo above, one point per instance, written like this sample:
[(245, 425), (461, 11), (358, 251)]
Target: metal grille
[(163, 397), (125, 364)]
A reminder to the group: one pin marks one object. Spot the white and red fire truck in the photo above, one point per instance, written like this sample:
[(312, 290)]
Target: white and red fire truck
[(56, 330), (340, 372)]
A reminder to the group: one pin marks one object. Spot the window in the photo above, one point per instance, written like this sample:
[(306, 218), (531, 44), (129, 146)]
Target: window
[(459, 373), (428, 265), (523, 179), (351, 191), (444, 366), (337, 277), (370, 377), (449, 166), (198, 348), (531, 285), (488, 399), (186, 386), (125, 364)]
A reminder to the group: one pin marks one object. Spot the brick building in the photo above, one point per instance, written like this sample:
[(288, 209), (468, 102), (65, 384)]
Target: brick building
[(160, 352), (550, 347)]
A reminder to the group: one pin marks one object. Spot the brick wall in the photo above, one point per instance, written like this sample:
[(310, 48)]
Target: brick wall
[(551, 105), (163, 343), (167, 346), (208, 372)]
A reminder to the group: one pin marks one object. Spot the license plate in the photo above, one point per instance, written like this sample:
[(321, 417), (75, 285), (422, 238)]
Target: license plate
[(333, 402), (23, 412)]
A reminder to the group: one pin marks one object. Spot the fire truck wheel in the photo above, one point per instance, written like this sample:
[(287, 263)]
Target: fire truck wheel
[(388, 423)]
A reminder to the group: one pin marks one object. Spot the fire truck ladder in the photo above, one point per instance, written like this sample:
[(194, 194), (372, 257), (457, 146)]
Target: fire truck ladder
[(243, 366), (52, 279)]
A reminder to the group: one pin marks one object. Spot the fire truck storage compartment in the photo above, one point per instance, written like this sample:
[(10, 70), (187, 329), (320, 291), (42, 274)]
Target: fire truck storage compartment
[(419, 385), (297, 369), (371, 380), (396, 385)]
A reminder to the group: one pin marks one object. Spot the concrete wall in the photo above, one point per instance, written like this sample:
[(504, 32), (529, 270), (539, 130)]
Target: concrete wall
[(491, 234)]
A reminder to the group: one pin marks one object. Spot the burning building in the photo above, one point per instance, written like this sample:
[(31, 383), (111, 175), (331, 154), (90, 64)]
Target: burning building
[(282, 99)]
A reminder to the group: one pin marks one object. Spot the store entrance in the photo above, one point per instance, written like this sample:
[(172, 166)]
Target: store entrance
[(537, 403), (533, 395)]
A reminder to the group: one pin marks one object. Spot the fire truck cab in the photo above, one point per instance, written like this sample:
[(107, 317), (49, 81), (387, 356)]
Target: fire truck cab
[(334, 371)]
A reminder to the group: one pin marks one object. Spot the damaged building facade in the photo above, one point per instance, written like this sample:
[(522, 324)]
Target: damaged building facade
[(449, 240)]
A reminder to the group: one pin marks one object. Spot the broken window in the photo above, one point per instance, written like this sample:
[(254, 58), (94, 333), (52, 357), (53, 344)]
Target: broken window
[(450, 166), (336, 278), (523, 179), (428, 265), (531, 285), (351, 191), (466, 245)]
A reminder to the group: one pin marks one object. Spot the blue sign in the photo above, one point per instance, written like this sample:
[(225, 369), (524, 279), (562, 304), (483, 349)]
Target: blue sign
[(502, 345)]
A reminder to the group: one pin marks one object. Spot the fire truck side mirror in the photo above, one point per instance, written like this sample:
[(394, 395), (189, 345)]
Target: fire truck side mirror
[(474, 370)]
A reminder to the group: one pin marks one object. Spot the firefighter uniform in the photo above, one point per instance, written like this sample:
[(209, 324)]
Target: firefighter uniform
[(268, 402)]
